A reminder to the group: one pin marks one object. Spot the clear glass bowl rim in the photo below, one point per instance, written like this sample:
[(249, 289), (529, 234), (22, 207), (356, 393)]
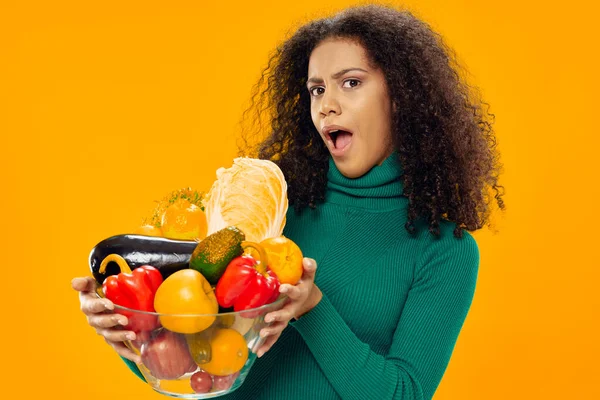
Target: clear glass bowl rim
[(280, 300)]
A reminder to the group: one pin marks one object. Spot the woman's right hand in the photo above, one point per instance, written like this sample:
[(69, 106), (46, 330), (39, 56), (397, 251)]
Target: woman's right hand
[(100, 316)]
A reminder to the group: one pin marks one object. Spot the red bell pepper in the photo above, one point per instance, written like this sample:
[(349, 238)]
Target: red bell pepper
[(133, 290), (247, 283)]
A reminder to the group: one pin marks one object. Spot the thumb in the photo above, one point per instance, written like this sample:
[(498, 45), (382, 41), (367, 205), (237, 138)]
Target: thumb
[(85, 284), (310, 267)]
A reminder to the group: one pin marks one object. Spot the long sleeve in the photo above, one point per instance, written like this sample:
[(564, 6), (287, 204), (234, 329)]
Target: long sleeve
[(134, 368), (423, 342)]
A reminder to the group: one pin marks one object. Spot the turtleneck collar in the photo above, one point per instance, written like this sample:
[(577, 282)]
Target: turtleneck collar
[(380, 189)]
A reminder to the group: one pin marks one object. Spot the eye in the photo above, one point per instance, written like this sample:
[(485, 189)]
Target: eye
[(355, 81), (312, 90)]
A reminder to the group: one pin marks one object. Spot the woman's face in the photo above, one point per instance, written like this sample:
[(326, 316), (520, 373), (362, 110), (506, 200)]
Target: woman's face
[(351, 97)]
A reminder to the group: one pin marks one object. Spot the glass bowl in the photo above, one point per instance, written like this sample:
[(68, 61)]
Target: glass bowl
[(209, 363)]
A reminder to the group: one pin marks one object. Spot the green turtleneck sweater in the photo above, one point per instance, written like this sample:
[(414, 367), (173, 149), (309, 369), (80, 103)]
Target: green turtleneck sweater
[(393, 304)]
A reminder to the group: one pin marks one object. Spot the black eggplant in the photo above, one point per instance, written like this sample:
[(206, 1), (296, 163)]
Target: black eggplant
[(166, 255)]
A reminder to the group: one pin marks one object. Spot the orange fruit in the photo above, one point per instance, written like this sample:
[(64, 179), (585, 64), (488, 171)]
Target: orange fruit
[(148, 230), (285, 259), (229, 352), (184, 220), (176, 386)]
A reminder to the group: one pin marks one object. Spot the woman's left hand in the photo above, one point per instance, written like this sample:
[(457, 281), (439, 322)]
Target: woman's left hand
[(302, 298)]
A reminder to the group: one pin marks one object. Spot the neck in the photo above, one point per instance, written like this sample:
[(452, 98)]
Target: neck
[(379, 189)]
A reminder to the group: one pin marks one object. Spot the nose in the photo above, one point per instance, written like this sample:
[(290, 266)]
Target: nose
[(329, 103)]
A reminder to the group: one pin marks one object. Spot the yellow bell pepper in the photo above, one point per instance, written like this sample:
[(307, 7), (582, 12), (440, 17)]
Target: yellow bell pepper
[(186, 292)]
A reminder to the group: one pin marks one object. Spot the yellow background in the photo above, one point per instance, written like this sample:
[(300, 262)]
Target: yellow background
[(107, 107)]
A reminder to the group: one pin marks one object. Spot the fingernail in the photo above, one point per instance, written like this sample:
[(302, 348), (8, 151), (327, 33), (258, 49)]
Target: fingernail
[(130, 336), (268, 319), (283, 289), (108, 306), (260, 353), (264, 333)]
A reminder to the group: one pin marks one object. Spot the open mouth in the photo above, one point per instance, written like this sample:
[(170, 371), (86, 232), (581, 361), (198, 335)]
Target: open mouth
[(340, 138)]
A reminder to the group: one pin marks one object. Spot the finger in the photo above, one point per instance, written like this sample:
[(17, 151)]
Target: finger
[(310, 267), (285, 314), (266, 346), (274, 329), (124, 351), (91, 305), (115, 335), (106, 320), (294, 292), (85, 284)]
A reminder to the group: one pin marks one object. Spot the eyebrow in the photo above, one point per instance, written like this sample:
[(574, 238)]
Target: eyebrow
[(336, 75)]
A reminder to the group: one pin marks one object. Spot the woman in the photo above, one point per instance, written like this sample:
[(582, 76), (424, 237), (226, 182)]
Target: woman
[(388, 158)]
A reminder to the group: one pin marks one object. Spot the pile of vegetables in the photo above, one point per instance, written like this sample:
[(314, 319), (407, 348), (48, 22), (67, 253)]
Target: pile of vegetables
[(189, 284), (184, 279)]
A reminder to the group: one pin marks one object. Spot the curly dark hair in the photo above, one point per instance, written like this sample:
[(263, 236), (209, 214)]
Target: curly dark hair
[(443, 137)]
